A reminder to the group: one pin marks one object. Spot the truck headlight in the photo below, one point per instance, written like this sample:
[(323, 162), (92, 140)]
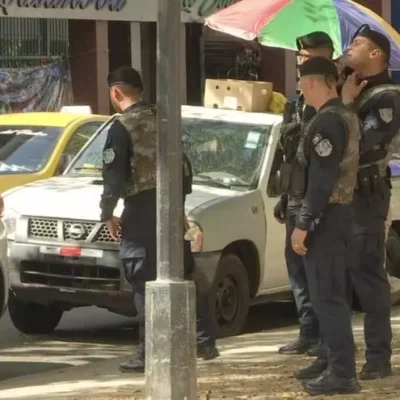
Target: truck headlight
[(9, 219), (195, 235)]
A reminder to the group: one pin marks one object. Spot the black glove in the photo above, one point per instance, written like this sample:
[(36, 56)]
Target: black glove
[(280, 209)]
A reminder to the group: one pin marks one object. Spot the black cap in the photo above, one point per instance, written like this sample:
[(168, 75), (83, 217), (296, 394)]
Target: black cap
[(375, 37), (314, 40), (125, 76), (319, 66)]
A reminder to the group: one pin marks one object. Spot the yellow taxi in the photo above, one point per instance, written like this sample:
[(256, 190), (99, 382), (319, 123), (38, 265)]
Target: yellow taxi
[(36, 146)]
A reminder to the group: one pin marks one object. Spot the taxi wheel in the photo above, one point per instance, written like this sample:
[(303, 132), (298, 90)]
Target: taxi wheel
[(31, 318), (393, 253), (229, 296)]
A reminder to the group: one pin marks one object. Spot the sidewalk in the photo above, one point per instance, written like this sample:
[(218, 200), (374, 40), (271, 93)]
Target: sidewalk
[(249, 368)]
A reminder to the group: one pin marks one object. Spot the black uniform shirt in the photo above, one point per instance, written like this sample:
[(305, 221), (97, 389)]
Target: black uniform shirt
[(325, 146), (380, 116)]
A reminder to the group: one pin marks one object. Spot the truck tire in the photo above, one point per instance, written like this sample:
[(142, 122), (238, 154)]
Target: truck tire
[(229, 296), (393, 253), (31, 318)]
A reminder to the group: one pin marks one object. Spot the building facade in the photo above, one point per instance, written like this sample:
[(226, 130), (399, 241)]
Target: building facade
[(396, 25), (98, 36)]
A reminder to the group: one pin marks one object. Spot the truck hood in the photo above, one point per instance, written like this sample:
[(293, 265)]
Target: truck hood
[(79, 198)]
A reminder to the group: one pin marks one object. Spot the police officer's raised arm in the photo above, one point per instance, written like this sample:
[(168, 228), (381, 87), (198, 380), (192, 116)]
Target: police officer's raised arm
[(327, 145), (382, 123), (116, 156)]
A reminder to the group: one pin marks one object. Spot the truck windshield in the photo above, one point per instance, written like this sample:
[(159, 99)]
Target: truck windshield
[(26, 149), (222, 153)]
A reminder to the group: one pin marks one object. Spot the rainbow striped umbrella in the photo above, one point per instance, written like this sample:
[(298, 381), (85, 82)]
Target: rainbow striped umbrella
[(277, 23)]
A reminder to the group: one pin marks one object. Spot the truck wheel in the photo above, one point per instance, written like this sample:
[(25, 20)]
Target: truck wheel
[(31, 318), (393, 253), (229, 296)]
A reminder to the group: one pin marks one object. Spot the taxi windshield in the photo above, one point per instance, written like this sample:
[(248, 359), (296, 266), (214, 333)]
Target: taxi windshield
[(26, 149)]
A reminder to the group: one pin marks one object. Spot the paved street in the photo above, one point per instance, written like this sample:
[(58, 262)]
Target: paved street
[(249, 368), (84, 335), (89, 335)]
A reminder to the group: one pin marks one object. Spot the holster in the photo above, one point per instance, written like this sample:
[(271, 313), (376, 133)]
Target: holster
[(285, 177), (298, 183)]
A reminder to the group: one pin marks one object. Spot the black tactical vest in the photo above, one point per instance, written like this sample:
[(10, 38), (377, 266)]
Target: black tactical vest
[(382, 153), (292, 131)]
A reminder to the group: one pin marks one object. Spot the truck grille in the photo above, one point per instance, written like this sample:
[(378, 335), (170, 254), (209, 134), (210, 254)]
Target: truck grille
[(70, 276), (76, 231), (43, 228), (87, 226)]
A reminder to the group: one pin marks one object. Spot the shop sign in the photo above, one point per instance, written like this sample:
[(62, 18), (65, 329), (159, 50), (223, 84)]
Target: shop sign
[(204, 8), (123, 10)]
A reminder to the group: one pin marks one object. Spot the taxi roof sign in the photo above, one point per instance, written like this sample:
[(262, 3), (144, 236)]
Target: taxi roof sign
[(76, 109)]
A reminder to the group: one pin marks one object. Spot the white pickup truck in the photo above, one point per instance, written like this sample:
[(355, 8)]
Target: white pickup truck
[(4, 272), (62, 256)]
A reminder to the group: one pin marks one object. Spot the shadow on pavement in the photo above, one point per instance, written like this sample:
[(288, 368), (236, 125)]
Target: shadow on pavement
[(10, 369), (249, 368)]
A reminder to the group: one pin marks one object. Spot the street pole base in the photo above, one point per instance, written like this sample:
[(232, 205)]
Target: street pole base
[(171, 340)]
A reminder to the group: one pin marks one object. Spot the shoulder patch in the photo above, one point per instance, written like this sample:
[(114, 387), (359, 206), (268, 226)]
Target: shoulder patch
[(371, 122), (386, 114), (108, 156), (324, 148), (316, 138)]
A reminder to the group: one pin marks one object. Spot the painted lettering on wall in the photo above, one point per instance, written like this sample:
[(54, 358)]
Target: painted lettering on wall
[(98, 5), (205, 7)]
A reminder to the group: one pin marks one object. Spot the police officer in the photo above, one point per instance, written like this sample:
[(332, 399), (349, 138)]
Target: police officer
[(327, 162), (296, 115), (206, 332), (376, 99), (129, 172)]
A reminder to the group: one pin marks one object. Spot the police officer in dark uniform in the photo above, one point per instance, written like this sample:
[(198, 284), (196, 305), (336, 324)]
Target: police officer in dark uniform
[(206, 332), (371, 92), (129, 172), (326, 174), (296, 116)]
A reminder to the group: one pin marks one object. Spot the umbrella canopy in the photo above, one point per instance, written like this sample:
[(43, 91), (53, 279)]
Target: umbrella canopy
[(277, 23)]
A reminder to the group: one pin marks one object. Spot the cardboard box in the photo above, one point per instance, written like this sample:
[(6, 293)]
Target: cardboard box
[(238, 95)]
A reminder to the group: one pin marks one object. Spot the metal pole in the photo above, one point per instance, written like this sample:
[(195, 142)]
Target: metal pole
[(170, 301)]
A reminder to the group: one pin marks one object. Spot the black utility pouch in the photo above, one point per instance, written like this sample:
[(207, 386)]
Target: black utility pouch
[(374, 177), (286, 177), (298, 182), (364, 180)]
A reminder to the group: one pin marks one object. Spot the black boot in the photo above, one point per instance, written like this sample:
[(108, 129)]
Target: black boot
[(207, 352), (315, 369), (328, 383), (315, 350), (298, 346), (371, 372), (319, 350), (135, 365)]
